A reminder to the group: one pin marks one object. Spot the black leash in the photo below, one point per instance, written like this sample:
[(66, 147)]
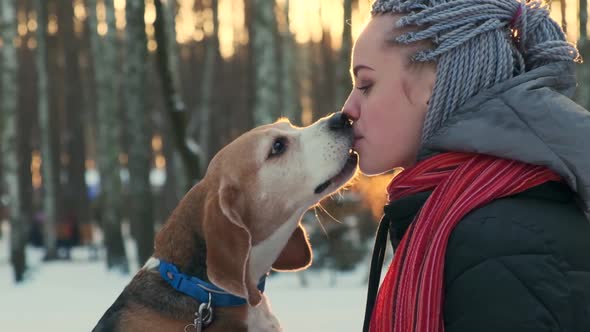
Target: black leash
[(376, 267)]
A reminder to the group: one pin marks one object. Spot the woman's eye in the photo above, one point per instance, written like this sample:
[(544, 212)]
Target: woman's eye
[(364, 89), (278, 147)]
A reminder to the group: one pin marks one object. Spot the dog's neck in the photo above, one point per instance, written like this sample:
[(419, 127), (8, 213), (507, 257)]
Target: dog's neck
[(180, 241), (266, 252)]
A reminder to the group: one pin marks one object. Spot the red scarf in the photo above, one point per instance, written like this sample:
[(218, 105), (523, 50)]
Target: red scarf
[(410, 297)]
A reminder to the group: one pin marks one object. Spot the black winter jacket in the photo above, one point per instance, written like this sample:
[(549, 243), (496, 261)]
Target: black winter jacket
[(520, 263)]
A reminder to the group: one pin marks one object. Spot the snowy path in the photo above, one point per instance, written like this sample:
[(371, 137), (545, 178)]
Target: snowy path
[(71, 297)]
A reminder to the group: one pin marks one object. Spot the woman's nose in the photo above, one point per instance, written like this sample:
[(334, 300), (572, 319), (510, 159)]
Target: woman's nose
[(350, 109)]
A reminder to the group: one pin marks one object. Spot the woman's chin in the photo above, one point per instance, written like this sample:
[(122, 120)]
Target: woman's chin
[(369, 168)]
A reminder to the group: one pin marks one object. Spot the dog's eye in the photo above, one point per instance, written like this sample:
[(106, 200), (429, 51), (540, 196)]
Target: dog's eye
[(278, 147)]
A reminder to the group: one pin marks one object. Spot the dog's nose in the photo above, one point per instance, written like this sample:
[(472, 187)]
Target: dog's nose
[(339, 121)]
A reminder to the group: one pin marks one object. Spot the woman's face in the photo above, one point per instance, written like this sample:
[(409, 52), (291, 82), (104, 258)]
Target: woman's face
[(389, 99)]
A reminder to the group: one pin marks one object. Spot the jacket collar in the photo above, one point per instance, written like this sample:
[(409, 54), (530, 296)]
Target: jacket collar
[(529, 118)]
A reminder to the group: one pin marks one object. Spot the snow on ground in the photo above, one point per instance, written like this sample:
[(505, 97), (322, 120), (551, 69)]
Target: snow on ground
[(72, 296)]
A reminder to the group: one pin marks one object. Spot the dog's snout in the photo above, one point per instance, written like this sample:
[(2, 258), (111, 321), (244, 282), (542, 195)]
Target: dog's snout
[(339, 121)]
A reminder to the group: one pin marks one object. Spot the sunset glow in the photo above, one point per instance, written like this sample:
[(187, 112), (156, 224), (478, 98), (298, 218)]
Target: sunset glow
[(309, 21), (120, 20), (232, 26), (52, 26), (150, 19), (306, 59), (186, 21), (101, 16), (36, 169), (571, 15), (332, 18)]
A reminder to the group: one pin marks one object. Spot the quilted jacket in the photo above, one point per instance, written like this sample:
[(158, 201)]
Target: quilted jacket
[(521, 263)]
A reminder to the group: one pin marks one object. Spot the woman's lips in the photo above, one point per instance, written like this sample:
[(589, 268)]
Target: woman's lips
[(356, 141)]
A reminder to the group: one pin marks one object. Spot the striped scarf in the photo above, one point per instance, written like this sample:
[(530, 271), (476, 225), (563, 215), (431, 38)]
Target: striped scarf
[(410, 297)]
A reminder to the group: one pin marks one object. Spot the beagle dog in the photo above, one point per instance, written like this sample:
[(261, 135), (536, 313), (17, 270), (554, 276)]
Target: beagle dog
[(242, 219)]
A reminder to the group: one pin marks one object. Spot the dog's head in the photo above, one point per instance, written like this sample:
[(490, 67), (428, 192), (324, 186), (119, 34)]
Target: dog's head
[(264, 181)]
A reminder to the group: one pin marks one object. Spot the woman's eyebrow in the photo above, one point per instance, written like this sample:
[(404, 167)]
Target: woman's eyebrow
[(356, 69)]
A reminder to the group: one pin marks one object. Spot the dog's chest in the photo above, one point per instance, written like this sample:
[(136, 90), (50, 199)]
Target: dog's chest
[(261, 319)]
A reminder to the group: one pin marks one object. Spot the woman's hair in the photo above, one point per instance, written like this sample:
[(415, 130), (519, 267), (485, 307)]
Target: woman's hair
[(476, 44)]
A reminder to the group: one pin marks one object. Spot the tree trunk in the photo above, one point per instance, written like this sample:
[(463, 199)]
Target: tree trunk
[(583, 20), (322, 81), (303, 280), (177, 112), (304, 54), (8, 100), (47, 153), (56, 103), (76, 200), (563, 8), (289, 93), (583, 70), (250, 67), (266, 104), (109, 136), (344, 57), (141, 213), (26, 120), (90, 100), (205, 106), (326, 79), (333, 277)]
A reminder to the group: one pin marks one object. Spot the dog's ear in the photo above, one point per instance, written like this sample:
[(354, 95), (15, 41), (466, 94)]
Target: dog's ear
[(228, 242), (297, 253)]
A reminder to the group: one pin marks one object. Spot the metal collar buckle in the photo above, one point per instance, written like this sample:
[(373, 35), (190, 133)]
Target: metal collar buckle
[(203, 317)]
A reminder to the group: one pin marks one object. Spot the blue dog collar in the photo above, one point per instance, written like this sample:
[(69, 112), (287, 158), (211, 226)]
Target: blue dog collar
[(200, 290)]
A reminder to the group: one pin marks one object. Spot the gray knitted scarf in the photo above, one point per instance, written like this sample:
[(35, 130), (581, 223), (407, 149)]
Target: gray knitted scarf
[(477, 44)]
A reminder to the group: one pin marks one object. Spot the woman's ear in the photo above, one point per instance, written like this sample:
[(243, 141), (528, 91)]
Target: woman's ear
[(428, 79), (419, 81), (296, 254)]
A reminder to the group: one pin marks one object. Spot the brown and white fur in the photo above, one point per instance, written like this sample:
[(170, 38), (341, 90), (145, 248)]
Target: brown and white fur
[(238, 222)]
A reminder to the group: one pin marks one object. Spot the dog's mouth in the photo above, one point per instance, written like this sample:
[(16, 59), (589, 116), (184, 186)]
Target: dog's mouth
[(344, 175)]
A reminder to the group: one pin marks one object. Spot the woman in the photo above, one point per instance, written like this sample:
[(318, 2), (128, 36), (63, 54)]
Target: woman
[(489, 218)]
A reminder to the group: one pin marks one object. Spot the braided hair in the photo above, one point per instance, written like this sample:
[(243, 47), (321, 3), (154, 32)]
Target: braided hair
[(476, 44)]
